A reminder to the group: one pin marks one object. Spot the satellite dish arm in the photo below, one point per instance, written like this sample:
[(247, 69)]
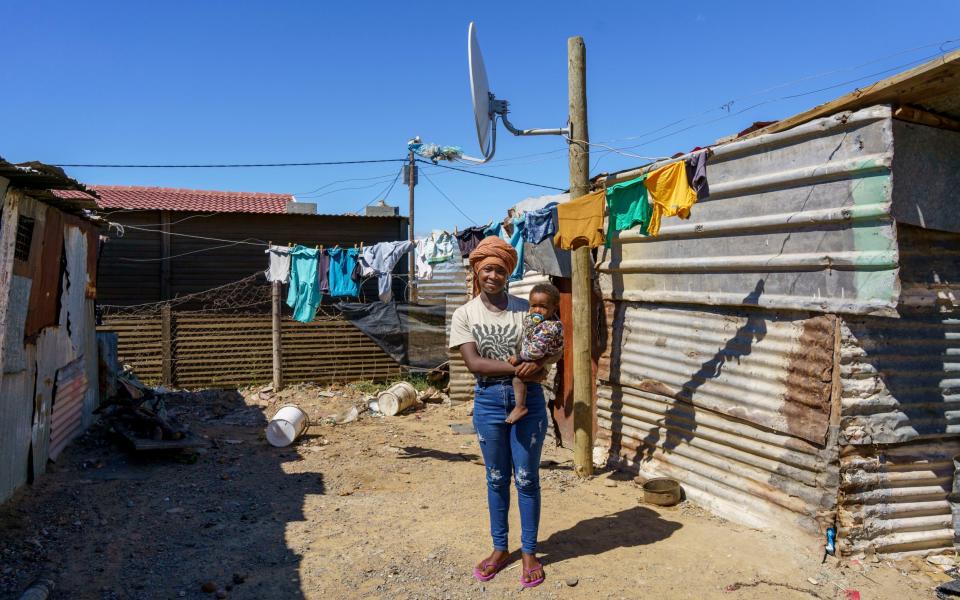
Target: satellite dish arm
[(564, 131)]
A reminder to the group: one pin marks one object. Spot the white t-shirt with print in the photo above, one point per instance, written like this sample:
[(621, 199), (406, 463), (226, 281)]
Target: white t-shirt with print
[(497, 334)]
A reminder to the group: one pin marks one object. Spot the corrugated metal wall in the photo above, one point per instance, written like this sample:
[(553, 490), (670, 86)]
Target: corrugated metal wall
[(29, 379), (901, 407), (734, 403), (720, 371), (235, 350), (805, 213)]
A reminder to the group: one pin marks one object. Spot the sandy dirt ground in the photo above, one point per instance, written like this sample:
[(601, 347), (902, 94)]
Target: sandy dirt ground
[(379, 508)]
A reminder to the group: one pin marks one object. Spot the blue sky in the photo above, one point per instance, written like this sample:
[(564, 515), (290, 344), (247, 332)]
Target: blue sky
[(201, 82)]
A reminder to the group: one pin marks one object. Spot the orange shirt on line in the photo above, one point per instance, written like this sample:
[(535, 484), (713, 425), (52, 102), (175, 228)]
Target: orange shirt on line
[(580, 221), (670, 194)]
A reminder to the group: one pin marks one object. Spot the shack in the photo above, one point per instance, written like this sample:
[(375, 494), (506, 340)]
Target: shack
[(181, 283), (790, 352), (48, 345)]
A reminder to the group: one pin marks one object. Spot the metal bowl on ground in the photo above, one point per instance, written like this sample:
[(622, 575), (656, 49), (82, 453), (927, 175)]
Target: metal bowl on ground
[(661, 491)]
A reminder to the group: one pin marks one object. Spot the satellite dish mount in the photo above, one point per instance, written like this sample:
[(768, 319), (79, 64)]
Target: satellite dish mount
[(487, 107)]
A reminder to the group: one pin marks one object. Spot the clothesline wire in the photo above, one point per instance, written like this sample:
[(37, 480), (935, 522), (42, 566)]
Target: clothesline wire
[(540, 185), (230, 245), (121, 226), (452, 203)]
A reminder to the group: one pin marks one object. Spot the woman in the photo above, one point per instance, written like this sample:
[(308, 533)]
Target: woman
[(487, 330)]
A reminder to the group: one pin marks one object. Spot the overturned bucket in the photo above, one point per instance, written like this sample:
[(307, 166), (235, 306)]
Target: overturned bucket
[(286, 426), (397, 398)]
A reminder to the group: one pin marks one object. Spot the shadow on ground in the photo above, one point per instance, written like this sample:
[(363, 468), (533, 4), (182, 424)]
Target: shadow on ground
[(176, 521)]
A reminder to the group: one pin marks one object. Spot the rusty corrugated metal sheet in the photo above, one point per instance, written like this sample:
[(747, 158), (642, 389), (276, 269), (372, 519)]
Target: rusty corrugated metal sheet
[(893, 499), (795, 220), (46, 274), (66, 418), (771, 369), (742, 471)]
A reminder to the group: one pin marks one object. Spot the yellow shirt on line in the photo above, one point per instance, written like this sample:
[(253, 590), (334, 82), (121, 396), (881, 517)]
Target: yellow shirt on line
[(580, 221), (670, 194)]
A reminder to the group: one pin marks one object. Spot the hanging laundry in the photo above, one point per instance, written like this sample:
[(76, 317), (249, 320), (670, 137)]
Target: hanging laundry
[(323, 271), (627, 207), (304, 293), (493, 229), (469, 238), (381, 258), (424, 268), (670, 194), (547, 259), (279, 269), (696, 167), (441, 247), (580, 222), (516, 240), (540, 224), (342, 263)]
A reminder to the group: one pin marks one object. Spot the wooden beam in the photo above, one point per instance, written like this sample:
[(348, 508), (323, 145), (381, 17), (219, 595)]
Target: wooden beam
[(925, 117)]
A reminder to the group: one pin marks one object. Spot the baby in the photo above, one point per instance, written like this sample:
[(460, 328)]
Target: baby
[(542, 339)]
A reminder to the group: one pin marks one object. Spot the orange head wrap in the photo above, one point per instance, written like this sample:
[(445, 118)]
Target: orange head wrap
[(492, 250)]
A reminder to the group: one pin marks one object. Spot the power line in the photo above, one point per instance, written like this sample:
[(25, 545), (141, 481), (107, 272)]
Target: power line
[(232, 165), (549, 187), (452, 203), (326, 185), (385, 195)]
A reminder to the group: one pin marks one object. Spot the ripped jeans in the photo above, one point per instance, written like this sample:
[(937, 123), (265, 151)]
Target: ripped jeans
[(510, 449)]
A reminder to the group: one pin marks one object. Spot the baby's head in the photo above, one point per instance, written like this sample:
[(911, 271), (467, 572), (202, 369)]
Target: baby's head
[(544, 300)]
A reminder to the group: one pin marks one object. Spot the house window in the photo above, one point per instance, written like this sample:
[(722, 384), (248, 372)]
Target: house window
[(24, 237)]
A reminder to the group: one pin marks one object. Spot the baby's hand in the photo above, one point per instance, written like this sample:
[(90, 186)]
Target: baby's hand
[(514, 361)]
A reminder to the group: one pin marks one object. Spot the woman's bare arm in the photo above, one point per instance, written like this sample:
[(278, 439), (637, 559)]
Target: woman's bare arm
[(485, 367)]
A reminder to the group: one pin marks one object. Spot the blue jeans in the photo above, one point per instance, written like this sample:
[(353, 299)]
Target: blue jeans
[(510, 449)]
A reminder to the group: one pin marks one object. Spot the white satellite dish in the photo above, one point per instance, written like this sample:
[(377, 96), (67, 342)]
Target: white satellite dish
[(479, 90), (486, 107)]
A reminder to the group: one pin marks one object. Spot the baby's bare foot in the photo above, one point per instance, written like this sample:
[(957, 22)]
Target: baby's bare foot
[(516, 414)]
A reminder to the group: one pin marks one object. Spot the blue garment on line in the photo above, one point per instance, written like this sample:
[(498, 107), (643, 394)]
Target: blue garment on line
[(342, 263), (540, 224), (511, 448), (304, 293), (493, 230), (516, 240)]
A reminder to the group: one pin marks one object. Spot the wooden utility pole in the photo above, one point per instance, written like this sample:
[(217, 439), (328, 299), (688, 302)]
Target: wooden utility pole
[(412, 274), (582, 335), (277, 338)]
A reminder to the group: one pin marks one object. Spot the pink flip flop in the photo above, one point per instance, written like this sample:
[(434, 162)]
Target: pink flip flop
[(478, 573), (535, 582)]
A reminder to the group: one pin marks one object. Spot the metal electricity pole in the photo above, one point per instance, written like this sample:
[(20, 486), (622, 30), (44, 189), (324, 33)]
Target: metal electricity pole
[(583, 400), (410, 175)]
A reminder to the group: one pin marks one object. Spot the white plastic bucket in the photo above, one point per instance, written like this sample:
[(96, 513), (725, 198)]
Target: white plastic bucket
[(397, 398), (286, 426)]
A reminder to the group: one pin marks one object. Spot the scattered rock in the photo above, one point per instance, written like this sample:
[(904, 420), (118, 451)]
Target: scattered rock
[(609, 483), (813, 581), (572, 581), (173, 511), (208, 587)]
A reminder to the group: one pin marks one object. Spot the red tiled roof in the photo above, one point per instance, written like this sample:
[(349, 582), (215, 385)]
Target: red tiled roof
[(159, 198)]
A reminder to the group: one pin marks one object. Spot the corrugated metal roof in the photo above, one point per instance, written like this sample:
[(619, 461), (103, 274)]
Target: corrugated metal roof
[(49, 184)]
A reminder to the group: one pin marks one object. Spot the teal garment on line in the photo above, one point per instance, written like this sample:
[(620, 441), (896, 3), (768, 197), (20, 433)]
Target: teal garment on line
[(304, 293), (627, 206), (342, 263), (493, 230), (516, 240)]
